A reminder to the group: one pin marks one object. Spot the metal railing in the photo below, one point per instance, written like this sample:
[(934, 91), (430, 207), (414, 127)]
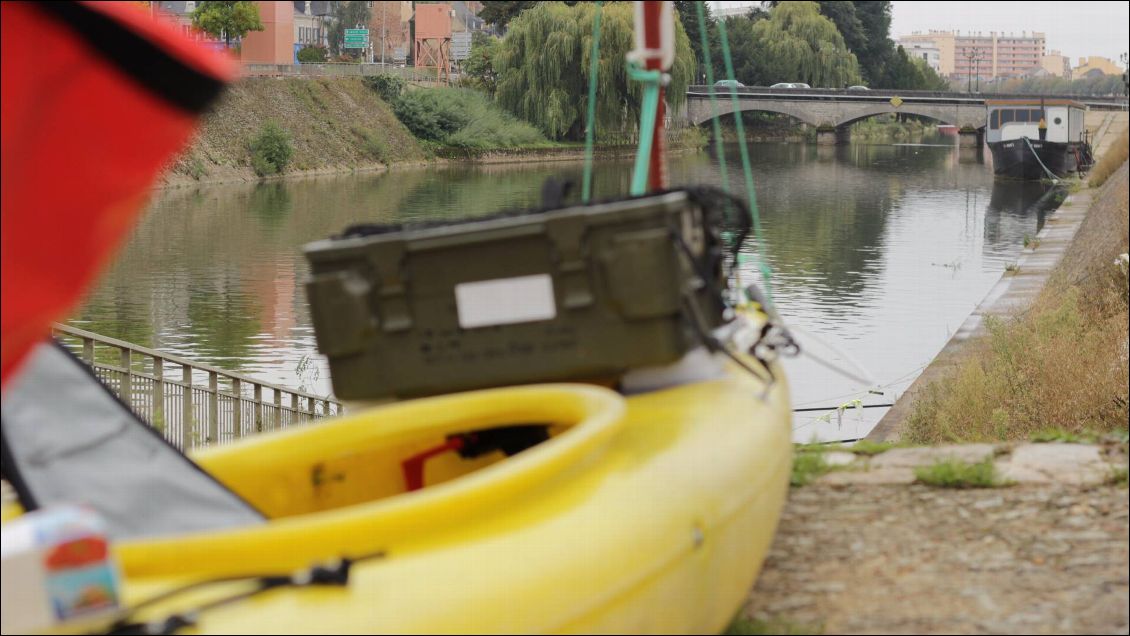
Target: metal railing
[(407, 73), (200, 405), (698, 91)]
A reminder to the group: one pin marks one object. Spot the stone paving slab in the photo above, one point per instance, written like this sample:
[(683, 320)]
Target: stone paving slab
[(1050, 554), (1079, 464), (1049, 463), (912, 457)]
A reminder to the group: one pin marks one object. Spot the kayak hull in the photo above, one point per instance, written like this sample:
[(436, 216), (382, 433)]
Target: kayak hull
[(646, 514)]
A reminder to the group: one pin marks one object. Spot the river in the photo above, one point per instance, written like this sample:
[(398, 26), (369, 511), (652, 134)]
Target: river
[(878, 253)]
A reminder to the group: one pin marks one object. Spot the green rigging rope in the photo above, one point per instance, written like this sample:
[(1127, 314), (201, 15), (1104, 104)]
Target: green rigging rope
[(743, 146), (586, 187), (715, 121), (648, 108)]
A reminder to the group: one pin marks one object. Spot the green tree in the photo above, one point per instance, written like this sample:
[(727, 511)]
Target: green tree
[(798, 44), (878, 48), (866, 29), (688, 16), (227, 20), (843, 15), (930, 80), (502, 12), (543, 66), (347, 15), (750, 65), (903, 71), (757, 14), (479, 67)]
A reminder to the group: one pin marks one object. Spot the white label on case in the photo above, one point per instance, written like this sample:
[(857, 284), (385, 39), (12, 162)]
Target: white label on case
[(505, 301)]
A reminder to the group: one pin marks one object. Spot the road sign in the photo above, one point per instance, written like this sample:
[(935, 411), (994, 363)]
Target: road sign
[(356, 38), (461, 45)]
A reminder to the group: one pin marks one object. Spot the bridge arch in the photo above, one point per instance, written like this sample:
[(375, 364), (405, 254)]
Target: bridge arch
[(700, 112), (830, 112), (887, 109)]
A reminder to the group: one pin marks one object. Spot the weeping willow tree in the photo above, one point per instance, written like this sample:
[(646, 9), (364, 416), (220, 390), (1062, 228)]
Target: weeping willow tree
[(798, 44), (542, 67)]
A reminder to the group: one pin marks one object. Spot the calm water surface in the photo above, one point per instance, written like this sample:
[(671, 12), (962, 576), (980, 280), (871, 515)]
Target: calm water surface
[(878, 253)]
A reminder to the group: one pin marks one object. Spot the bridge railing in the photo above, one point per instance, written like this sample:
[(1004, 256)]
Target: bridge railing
[(1106, 102), (191, 404)]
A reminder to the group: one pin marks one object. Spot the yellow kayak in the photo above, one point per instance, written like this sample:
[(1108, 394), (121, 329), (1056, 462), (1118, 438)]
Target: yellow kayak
[(650, 513)]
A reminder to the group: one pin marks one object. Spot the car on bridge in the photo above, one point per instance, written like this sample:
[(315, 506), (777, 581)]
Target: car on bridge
[(858, 87), (790, 85), (729, 83)]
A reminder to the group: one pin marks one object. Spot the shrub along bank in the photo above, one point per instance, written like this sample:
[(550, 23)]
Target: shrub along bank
[(456, 117)]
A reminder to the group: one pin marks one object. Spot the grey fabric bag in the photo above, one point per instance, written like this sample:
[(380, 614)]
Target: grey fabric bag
[(68, 439)]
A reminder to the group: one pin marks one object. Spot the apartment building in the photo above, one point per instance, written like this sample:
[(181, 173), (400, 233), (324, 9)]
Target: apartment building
[(941, 41), (981, 55), (1057, 64), (1012, 54), (310, 22), (926, 51)]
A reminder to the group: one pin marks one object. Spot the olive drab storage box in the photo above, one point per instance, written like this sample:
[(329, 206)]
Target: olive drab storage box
[(573, 294)]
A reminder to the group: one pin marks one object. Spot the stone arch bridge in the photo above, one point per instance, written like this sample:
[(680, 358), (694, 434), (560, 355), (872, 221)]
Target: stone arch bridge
[(833, 111)]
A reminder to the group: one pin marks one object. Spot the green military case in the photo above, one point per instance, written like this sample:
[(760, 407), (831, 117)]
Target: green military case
[(573, 294)]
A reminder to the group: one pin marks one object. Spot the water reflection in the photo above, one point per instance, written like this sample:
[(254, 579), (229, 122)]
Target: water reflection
[(968, 154), (270, 203), (878, 251)]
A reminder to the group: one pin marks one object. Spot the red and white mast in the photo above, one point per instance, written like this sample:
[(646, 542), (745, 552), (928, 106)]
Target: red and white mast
[(655, 46)]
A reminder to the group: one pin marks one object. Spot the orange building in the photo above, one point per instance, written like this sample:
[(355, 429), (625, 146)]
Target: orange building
[(388, 27), (275, 43)]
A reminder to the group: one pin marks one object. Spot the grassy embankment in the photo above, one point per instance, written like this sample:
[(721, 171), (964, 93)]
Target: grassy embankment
[(332, 125), (1058, 368), (269, 127)]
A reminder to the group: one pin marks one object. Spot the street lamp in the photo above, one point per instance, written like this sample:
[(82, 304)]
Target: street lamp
[(969, 55), (973, 59), (1125, 58), (384, 18)]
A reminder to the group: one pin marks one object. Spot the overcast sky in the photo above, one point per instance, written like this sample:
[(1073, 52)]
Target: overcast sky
[(1076, 28)]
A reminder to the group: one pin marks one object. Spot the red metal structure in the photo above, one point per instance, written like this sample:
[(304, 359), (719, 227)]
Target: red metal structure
[(432, 45)]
